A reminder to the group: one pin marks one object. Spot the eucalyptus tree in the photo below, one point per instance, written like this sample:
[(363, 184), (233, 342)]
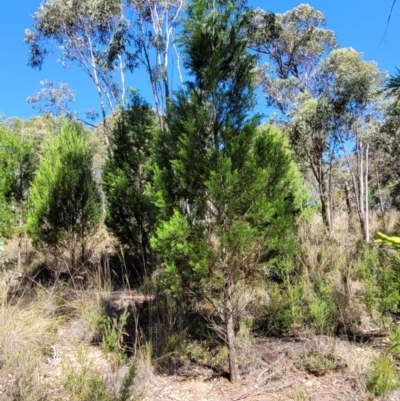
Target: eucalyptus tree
[(107, 38), (226, 191), (56, 99), (359, 115), (339, 125), (84, 32), (153, 30), (294, 43), (320, 91)]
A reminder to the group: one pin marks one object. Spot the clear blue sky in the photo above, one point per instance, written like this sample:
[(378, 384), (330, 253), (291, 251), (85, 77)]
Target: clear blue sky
[(359, 24)]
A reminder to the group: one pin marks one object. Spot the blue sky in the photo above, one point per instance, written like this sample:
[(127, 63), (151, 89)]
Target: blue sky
[(359, 24)]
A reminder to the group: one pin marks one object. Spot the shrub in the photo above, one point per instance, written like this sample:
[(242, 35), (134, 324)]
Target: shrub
[(284, 309), (112, 331), (84, 383), (321, 315), (65, 197), (383, 377)]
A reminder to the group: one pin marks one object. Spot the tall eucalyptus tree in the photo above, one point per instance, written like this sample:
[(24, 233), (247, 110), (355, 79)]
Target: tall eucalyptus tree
[(325, 95)]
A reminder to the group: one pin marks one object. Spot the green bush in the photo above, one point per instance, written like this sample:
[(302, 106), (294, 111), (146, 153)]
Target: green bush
[(284, 308), (321, 315), (366, 273), (383, 376), (316, 363), (112, 332), (379, 271), (65, 197), (394, 344)]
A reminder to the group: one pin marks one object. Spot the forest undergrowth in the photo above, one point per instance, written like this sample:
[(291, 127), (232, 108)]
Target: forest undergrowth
[(99, 335)]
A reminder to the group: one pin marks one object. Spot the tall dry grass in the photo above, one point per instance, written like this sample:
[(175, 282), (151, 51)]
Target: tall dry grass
[(333, 263), (28, 334)]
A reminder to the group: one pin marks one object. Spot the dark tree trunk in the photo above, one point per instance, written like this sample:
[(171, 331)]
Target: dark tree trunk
[(349, 208), (316, 163), (230, 332), (325, 211)]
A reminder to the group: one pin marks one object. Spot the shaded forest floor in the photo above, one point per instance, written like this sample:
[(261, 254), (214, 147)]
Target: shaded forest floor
[(51, 359)]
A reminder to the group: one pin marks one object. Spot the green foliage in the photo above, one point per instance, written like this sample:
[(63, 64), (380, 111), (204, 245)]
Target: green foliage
[(269, 181), (321, 309), (185, 255), (130, 213), (299, 395), (228, 191), (321, 315), (222, 186), (112, 331), (392, 86), (384, 376), (388, 280), (388, 275), (286, 299), (379, 271), (394, 343), (126, 393), (284, 309), (366, 273), (64, 194), (316, 362), (17, 165), (6, 170)]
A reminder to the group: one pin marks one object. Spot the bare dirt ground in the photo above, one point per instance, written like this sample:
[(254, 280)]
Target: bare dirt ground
[(280, 376), (300, 368), (280, 380)]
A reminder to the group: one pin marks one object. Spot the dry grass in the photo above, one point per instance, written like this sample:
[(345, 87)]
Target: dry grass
[(388, 223), (44, 356), (26, 328), (28, 333), (34, 313)]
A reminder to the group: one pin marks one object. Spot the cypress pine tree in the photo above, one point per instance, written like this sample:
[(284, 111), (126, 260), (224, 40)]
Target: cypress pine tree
[(7, 170), (223, 186), (18, 160), (130, 212), (65, 197)]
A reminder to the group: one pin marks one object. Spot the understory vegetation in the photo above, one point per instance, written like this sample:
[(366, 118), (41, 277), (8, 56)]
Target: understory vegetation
[(195, 233)]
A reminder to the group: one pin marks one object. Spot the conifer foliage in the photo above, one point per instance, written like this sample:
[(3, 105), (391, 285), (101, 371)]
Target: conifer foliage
[(130, 213), (65, 196), (224, 187), (7, 168), (17, 166)]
